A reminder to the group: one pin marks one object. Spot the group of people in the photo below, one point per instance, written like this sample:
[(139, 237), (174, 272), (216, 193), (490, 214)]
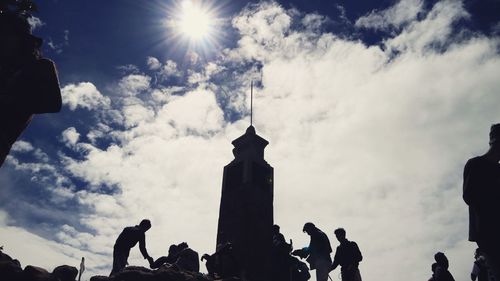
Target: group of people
[(223, 264), (179, 255), (29, 85), (347, 255)]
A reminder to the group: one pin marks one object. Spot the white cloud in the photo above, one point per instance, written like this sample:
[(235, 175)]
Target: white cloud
[(434, 29), (84, 95), (169, 69), (359, 138), (153, 63), (22, 146), (134, 84), (70, 136), (35, 22), (403, 12)]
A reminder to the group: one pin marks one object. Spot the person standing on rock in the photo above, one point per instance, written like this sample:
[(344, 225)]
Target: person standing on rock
[(126, 241), (318, 251), (348, 257)]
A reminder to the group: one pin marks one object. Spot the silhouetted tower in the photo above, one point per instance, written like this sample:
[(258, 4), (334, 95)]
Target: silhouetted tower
[(246, 207)]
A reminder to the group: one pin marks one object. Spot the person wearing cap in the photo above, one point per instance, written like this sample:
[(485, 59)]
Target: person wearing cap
[(318, 251), (127, 240), (481, 192), (28, 82)]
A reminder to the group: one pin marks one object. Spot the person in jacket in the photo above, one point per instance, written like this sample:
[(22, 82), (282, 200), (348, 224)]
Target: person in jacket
[(318, 252), (442, 273), (348, 256), (481, 192)]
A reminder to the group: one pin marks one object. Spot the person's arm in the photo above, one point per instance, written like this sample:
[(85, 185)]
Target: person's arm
[(475, 272), (359, 256), (335, 260), (142, 247)]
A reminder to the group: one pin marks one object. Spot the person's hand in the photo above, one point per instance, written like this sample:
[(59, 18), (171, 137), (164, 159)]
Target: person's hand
[(151, 261)]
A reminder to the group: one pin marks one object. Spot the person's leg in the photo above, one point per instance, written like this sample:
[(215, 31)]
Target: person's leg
[(322, 270), (120, 258), (492, 253)]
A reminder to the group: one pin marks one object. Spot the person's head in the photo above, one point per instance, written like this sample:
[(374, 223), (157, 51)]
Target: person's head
[(182, 246), (275, 229), (172, 250), (17, 41), (309, 228), (495, 138), (145, 225), (478, 253), (340, 234), (441, 260), (433, 267)]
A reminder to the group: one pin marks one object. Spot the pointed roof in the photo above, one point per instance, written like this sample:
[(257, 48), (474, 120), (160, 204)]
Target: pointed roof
[(249, 145)]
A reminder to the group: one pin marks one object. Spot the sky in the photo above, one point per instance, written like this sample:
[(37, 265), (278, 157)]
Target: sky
[(371, 109)]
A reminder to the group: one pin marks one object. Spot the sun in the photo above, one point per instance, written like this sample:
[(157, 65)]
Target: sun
[(193, 21)]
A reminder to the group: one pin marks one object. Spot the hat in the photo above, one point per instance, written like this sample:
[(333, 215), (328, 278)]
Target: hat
[(495, 133)]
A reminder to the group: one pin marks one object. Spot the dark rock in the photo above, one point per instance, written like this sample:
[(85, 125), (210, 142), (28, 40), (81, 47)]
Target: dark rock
[(65, 273), (134, 273), (10, 270), (33, 273), (100, 278)]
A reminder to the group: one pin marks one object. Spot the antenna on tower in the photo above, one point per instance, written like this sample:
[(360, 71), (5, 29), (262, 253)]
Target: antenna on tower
[(251, 103)]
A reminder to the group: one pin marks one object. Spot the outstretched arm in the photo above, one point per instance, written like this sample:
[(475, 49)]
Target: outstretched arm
[(335, 260), (142, 247)]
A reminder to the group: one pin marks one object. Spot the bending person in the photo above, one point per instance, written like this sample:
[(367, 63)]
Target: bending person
[(126, 241)]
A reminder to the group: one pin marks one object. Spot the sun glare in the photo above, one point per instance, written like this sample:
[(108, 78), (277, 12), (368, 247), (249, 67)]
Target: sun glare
[(193, 21)]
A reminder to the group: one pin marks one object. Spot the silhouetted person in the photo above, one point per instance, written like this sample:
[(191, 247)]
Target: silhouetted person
[(347, 256), (318, 251), (129, 237), (282, 267), (441, 273), (482, 194), (480, 267), (433, 269), (222, 264), (187, 258), (171, 258), (28, 82), (279, 243)]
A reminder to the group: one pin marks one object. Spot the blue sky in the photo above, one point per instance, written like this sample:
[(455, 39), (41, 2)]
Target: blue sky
[(371, 109)]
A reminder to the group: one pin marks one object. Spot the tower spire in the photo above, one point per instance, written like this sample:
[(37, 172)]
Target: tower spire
[(251, 103)]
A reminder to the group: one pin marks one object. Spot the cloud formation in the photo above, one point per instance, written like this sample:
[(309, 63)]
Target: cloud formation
[(83, 95), (369, 138)]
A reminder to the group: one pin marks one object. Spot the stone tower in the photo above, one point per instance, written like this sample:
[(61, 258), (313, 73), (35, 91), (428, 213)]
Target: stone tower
[(246, 207)]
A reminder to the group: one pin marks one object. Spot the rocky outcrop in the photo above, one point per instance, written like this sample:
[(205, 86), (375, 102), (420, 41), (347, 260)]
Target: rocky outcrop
[(164, 273), (11, 270), (65, 272)]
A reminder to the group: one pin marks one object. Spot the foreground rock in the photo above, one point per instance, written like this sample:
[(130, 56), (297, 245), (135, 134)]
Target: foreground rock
[(164, 273), (11, 270)]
